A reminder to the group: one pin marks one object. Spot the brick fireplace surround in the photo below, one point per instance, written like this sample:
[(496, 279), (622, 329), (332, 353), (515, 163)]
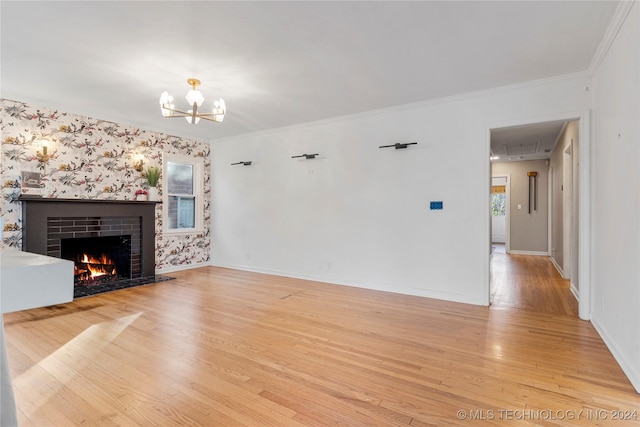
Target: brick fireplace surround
[(45, 222)]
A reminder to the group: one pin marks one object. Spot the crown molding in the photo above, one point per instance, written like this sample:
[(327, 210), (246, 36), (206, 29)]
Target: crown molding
[(468, 96), (620, 15)]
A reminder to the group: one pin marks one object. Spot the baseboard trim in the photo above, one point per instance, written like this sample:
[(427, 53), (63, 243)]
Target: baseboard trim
[(535, 253), (575, 291), (403, 290), (573, 288), (173, 268), (555, 264), (631, 374)]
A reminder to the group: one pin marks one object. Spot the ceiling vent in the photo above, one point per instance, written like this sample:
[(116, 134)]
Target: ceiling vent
[(518, 149)]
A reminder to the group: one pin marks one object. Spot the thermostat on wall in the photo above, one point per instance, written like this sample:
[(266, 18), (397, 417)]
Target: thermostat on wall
[(435, 206)]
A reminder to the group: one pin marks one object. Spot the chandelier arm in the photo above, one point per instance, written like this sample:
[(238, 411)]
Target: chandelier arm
[(208, 116), (203, 115), (175, 110), (211, 119)]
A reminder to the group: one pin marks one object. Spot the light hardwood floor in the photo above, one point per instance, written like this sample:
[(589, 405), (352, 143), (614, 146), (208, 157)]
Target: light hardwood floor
[(529, 283), (219, 347)]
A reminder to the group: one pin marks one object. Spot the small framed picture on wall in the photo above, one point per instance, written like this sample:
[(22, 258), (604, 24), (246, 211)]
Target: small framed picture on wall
[(31, 185)]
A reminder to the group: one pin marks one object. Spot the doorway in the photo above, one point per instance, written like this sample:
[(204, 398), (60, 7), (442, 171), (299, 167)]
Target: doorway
[(576, 202)]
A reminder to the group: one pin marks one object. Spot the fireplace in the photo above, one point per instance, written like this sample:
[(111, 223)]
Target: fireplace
[(124, 231), (99, 260)]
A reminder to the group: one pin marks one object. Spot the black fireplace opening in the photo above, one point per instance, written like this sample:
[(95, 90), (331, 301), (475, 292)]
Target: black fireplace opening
[(99, 261)]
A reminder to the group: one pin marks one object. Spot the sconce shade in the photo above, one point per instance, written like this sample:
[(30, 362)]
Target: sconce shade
[(138, 162), (219, 108), (43, 156), (194, 97), (166, 100)]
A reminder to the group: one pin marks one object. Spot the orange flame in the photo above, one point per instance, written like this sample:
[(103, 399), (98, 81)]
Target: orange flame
[(99, 266)]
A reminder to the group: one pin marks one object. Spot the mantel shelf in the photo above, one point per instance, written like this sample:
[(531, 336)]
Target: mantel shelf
[(51, 200)]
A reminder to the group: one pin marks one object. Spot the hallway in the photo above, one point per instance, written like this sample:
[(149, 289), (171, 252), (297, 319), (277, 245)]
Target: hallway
[(529, 282)]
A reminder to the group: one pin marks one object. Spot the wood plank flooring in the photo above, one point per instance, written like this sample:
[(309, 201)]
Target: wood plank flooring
[(529, 283), (219, 347)]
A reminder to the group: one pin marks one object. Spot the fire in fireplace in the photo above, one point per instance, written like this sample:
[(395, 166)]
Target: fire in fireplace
[(98, 260), (89, 268)]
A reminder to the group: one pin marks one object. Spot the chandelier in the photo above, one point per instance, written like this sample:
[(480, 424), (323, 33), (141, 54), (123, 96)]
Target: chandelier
[(195, 99)]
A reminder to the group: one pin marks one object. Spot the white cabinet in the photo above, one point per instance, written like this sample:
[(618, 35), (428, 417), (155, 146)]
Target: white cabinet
[(30, 280)]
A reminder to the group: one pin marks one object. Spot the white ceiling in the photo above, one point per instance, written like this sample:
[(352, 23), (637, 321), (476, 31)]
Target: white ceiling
[(526, 142), (282, 63)]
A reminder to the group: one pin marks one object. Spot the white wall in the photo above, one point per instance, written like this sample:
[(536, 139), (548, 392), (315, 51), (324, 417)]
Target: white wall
[(616, 198), (359, 215), (570, 137)]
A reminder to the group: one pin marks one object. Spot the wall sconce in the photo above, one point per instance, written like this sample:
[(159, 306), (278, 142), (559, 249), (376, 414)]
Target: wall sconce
[(398, 145), (138, 162), (306, 156), (43, 156)]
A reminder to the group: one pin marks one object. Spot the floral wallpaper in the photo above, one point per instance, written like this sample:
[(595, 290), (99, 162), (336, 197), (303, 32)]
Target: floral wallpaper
[(91, 159)]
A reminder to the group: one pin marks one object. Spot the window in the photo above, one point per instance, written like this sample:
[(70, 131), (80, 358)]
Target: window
[(182, 204), (498, 200)]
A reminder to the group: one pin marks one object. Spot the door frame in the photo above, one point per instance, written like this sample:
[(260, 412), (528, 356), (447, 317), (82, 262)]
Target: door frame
[(567, 212), (550, 210), (584, 197)]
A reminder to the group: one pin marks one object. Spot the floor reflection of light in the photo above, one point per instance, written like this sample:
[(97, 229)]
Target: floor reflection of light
[(497, 351), (65, 363)]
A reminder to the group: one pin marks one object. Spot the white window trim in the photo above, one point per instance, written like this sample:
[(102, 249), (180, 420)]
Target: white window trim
[(198, 192)]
